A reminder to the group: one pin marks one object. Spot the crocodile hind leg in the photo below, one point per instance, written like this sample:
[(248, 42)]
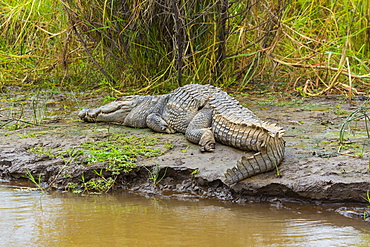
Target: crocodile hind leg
[(199, 130)]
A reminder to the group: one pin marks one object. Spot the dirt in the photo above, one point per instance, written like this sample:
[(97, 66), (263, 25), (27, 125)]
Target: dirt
[(316, 167)]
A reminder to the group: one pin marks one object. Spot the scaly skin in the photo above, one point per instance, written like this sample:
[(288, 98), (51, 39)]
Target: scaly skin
[(205, 114)]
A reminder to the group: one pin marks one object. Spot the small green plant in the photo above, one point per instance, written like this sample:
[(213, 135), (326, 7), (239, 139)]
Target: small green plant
[(361, 153), (108, 99), (367, 198), (169, 145), (277, 170), (100, 184), (33, 180), (358, 148), (301, 91), (154, 174), (99, 173), (38, 110), (339, 111), (73, 187), (195, 172), (40, 151), (66, 175), (359, 113), (30, 134), (13, 127), (83, 177)]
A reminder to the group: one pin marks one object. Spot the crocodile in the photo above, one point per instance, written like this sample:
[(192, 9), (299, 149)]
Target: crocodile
[(205, 114)]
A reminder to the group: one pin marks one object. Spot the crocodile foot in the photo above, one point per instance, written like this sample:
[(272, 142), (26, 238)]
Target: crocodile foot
[(207, 141)]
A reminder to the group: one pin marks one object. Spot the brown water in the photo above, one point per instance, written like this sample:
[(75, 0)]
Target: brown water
[(29, 218)]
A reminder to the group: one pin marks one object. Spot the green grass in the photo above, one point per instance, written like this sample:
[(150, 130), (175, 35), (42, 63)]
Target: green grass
[(119, 154), (367, 199), (37, 181), (116, 156)]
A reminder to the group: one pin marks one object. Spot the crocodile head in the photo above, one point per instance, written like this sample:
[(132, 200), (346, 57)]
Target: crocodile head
[(113, 112)]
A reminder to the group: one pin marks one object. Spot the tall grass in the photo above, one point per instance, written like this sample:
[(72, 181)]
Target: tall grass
[(314, 47), (28, 30), (329, 43), (36, 45)]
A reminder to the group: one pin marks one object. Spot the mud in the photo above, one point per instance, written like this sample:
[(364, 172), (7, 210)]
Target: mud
[(316, 167)]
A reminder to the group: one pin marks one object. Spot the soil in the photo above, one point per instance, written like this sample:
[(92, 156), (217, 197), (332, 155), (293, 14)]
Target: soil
[(316, 169)]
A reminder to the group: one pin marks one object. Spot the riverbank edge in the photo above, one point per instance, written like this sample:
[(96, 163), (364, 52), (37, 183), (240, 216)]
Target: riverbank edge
[(187, 183), (17, 164)]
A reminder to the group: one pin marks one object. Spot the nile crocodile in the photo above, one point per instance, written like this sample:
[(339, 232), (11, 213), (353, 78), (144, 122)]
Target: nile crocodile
[(205, 114)]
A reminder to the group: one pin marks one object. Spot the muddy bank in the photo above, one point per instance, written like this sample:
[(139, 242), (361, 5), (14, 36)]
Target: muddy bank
[(312, 170)]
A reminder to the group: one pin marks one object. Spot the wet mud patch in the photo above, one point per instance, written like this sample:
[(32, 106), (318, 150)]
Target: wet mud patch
[(316, 167)]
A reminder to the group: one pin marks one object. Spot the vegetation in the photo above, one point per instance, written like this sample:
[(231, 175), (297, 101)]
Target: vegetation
[(37, 181), (350, 125), (359, 114), (367, 198), (154, 174), (313, 47), (117, 155)]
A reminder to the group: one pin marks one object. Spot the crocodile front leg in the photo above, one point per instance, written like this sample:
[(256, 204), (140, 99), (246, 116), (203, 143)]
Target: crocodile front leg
[(156, 123), (199, 130)]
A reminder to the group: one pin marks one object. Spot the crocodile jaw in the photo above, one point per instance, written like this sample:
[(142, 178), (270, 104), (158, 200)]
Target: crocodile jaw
[(113, 112)]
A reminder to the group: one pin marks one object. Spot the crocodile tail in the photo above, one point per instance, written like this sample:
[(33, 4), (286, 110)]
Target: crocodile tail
[(267, 159)]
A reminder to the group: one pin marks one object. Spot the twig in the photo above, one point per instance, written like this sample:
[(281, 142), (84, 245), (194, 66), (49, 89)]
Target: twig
[(23, 121), (350, 155), (221, 51)]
